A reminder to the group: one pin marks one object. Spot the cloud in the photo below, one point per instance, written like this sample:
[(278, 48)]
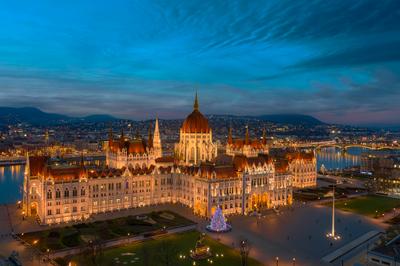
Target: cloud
[(137, 59)]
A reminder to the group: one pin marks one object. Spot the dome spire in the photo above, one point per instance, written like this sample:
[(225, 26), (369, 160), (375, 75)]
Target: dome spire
[(196, 103)]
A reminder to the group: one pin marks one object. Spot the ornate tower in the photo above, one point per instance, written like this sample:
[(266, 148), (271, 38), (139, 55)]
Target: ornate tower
[(157, 141), (195, 139)]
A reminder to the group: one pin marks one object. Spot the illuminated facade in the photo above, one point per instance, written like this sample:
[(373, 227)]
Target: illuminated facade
[(137, 175), (136, 152), (248, 147), (303, 166), (195, 139)]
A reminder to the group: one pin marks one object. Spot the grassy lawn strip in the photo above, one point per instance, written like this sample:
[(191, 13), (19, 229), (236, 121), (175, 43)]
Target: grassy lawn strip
[(79, 235), (371, 205), (160, 252)]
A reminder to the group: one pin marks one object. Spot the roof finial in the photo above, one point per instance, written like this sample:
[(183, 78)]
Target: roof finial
[(196, 103), (246, 140)]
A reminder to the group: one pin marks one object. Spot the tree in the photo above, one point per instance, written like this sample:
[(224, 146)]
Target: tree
[(167, 253), (218, 222), (146, 256), (94, 251)]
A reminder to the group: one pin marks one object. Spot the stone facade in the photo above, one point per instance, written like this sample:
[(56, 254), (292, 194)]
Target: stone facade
[(137, 175)]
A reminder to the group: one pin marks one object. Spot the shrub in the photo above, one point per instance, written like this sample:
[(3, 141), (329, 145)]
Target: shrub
[(54, 234), (72, 240)]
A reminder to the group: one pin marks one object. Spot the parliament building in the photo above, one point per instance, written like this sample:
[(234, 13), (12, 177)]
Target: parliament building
[(244, 179)]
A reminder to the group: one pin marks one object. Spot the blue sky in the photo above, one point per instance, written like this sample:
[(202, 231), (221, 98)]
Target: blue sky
[(336, 60)]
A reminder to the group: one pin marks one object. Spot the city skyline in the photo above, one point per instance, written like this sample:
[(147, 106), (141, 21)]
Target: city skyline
[(336, 61)]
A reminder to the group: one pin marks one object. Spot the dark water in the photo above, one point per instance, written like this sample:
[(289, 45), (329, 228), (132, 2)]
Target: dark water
[(11, 180), (334, 158), (11, 177)]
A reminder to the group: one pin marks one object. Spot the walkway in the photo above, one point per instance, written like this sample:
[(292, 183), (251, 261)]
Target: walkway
[(298, 232), (123, 241), (350, 246)]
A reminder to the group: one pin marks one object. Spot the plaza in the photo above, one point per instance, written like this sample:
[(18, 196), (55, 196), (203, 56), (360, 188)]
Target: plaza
[(295, 232)]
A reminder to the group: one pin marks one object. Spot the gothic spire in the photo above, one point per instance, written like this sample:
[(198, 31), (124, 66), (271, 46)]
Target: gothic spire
[(196, 103), (157, 140)]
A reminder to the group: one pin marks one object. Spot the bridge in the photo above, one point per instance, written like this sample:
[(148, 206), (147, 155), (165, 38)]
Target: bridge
[(342, 146), (369, 146), (18, 160)]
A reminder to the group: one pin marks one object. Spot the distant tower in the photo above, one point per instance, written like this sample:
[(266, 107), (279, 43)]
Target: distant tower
[(157, 141), (230, 140), (264, 137), (46, 142), (46, 137)]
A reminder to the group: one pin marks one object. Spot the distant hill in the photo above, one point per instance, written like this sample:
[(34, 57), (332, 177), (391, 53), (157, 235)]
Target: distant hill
[(294, 119), (34, 116)]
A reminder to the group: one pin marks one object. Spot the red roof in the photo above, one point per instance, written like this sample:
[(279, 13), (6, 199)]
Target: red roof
[(195, 123)]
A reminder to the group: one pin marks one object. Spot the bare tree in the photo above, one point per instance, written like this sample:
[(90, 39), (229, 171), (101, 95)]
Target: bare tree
[(146, 255), (94, 251), (167, 253)]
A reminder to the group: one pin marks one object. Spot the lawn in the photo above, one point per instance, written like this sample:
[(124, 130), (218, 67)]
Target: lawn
[(163, 251), (79, 235), (371, 205)]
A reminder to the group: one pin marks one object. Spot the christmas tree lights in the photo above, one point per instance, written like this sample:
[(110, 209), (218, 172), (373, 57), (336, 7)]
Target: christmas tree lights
[(218, 222)]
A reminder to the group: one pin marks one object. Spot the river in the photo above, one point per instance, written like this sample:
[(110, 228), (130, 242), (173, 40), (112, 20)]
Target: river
[(11, 177)]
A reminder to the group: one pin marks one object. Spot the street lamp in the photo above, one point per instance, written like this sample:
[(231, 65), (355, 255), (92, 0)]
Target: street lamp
[(294, 261), (277, 261), (333, 234), (244, 251)]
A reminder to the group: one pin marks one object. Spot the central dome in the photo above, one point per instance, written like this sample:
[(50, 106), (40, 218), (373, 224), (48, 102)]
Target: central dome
[(196, 122)]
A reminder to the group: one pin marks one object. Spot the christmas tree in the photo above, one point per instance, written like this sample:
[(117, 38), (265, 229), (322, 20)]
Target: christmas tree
[(218, 223)]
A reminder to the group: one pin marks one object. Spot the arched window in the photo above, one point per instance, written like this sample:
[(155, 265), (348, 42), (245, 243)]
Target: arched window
[(49, 194), (82, 192), (58, 194), (66, 193), (74, 192)]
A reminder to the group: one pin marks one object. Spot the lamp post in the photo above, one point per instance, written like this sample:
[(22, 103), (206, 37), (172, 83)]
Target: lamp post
[(277, 261), (244, 251), (294, 261), (333, 234)]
